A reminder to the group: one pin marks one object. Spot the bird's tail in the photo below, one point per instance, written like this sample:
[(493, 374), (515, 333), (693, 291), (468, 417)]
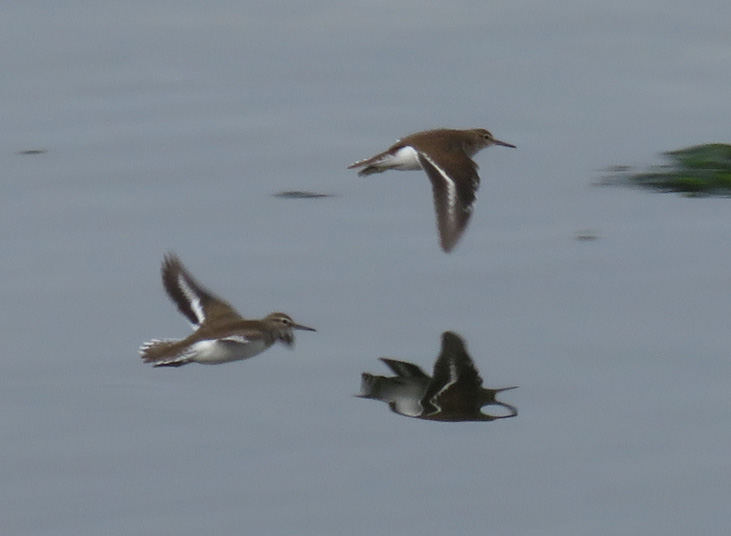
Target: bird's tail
[(160, 352)]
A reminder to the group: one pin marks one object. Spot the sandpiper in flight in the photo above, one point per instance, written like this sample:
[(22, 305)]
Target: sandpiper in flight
[(221, 334), (454, 393), (446, 156)]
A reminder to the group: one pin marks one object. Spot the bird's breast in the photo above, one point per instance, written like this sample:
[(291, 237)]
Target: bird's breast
[(404, 158)]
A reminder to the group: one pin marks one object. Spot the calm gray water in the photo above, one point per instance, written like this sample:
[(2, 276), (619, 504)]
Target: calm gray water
[(168, 126)]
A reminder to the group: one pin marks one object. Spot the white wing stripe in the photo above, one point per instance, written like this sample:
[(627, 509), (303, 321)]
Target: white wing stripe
[(192, 297), (453, 377), (451, 187), (236, 338)]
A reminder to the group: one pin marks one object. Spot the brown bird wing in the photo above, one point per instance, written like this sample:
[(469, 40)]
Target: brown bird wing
[(454, 181), (193, 300)]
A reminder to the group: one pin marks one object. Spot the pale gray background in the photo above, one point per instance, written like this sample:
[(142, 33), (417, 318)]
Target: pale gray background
[(168, 125)]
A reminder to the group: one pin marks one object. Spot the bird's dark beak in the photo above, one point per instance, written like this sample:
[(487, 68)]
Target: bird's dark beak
[(304, 328), (504, 144)]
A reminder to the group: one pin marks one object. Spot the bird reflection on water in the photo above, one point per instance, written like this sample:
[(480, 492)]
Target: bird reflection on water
[(454, 393)]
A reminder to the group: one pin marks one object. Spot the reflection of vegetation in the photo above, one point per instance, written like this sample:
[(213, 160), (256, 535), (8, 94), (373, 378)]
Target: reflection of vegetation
[(697, 171)]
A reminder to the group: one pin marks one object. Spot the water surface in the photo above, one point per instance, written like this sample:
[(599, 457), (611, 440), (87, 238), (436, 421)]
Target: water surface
[(171, 127)]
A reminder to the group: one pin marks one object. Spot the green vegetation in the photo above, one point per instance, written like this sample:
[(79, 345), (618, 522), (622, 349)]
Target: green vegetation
[(702, 170)]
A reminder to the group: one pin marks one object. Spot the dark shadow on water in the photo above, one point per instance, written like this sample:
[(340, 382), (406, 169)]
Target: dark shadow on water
[(453, 393), (300, 194)]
